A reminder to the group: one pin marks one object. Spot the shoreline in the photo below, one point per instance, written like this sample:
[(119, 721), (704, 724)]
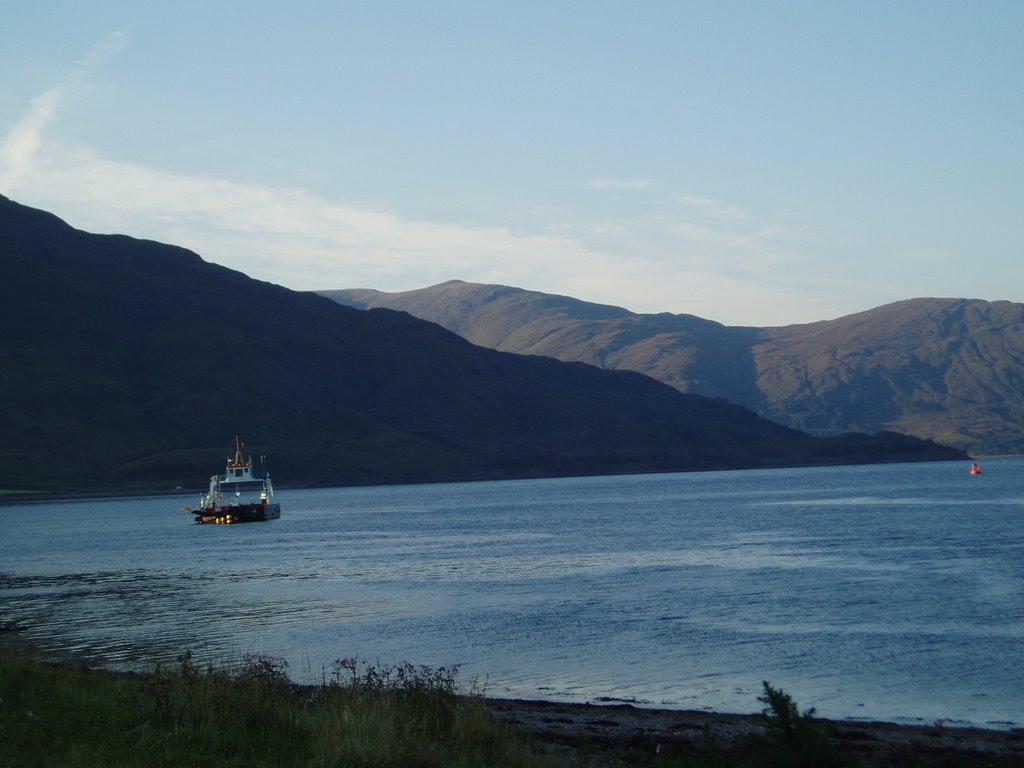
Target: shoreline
[(586, 727), (580, 730)]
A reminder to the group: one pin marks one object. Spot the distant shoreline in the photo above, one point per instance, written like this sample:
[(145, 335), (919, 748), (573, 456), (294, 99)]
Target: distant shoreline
[(12, 497), (18, 496)]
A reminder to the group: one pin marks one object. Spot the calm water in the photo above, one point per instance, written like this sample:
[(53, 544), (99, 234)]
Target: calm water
[(883, 592)]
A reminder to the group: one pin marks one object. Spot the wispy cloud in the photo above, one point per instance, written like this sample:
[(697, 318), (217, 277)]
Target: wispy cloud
[(712, 207), (285, 235), (620, 184), (292, 237), (700, 256), (25, 137), (100, 53), (728, 238)]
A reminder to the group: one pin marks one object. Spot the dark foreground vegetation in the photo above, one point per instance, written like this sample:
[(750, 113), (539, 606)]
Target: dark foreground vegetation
[(378, 716), (253, 716)]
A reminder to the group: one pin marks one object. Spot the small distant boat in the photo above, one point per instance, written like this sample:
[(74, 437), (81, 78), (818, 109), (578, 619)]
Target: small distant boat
[(240, 495), (975, 468)]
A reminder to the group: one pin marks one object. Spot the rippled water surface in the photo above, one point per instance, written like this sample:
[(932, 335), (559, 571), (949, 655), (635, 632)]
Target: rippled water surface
[(883, 592)]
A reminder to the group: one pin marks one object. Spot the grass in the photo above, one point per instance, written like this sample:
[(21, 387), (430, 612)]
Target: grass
[(359, 715), (401, 716)]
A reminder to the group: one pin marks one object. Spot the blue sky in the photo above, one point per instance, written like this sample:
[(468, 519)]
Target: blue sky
[(755, 163)]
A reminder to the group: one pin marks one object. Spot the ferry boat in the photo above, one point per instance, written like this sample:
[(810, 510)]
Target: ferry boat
[(975, 468), (240, 495)]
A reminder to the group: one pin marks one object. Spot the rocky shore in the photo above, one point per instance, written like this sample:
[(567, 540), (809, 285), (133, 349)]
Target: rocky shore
[(586, 729)]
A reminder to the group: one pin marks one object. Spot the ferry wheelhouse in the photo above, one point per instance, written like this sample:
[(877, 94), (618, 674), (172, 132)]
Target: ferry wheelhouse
[(240, 495)]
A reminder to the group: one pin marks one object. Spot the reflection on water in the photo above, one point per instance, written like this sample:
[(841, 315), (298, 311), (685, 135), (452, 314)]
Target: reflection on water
[(892, 592)]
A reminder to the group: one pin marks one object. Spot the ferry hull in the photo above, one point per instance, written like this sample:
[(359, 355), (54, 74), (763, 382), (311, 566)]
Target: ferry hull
[(241, 513)]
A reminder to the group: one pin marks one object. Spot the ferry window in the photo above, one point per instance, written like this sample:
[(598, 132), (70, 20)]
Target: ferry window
[(238, 473)]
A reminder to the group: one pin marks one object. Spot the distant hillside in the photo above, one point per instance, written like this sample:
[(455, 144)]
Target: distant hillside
[(131, 363), (951, 370)]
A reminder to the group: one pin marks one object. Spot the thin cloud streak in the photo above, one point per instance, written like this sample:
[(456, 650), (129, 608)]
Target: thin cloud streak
[(712, 207), (286, 235), (100, 53), (726, 238), (620, 184), (291, 237), (24, 138)]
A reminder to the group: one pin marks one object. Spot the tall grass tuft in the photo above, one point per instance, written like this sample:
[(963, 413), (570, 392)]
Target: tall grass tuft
[(360, 716), (252, 716), (416, 712)]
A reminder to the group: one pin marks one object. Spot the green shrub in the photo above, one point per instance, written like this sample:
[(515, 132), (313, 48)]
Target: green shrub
[(795, 739)]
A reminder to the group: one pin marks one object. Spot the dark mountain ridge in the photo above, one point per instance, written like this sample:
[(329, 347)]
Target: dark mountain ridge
[(951, 370), (131, 363)]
